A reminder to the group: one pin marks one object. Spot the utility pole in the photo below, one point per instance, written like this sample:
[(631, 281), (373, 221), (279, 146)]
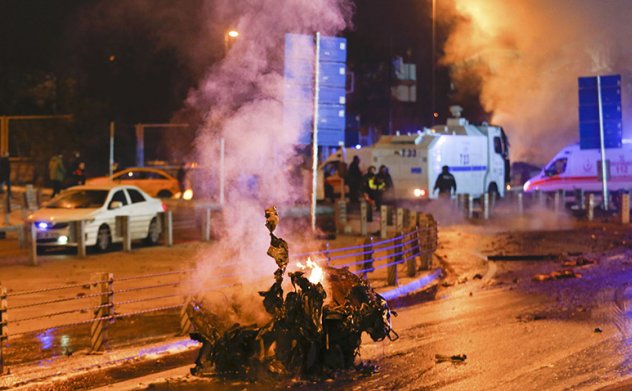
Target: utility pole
[(111, 165), (434, 61), (315, 133), (602, 147)]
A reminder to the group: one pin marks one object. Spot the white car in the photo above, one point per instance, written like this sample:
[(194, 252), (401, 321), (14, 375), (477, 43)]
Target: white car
[(98, 205)]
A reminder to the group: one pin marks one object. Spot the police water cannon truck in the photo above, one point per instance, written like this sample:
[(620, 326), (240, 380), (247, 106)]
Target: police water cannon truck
[(477, 155)]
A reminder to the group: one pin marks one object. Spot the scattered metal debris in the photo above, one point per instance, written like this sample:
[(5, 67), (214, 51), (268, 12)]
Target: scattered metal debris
[(557, 275), (457, 358), (312, 332), (580, 261)]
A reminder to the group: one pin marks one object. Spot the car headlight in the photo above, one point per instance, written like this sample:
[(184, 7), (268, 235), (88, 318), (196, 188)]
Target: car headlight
[(43, 225)]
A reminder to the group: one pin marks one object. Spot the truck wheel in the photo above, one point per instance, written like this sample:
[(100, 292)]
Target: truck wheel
[(493, 189), (104, 239)]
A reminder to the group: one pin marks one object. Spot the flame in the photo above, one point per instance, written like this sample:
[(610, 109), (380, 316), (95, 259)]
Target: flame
[(316, 275)]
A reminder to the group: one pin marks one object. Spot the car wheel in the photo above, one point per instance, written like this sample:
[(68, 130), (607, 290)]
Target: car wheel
[(104, 238), (164, 194), (153, 234)]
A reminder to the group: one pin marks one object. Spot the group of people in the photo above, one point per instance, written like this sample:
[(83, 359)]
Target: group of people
[(57, 172), (376, 188)]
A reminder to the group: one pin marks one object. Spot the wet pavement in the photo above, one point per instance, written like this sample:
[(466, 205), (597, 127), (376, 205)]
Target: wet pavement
[(516, 333)]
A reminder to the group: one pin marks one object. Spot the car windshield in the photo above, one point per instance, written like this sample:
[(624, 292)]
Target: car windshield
[(79, 199)]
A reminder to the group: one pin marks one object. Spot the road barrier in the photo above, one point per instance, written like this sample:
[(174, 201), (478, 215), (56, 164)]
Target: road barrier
[(110, 299), (590, 206), (624, 210), (122, 228)]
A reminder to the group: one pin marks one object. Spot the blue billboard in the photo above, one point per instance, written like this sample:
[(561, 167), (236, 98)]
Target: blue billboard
[(299, 74), (610, 109)]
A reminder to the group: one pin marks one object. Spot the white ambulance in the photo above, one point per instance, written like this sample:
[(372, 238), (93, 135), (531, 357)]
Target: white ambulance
[(574, 168), (477, 155)]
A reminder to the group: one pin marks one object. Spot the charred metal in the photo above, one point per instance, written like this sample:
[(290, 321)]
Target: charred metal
[(312, 332)]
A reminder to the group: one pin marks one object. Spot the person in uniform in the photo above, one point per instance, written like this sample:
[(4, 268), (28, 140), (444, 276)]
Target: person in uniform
[(445, 183)]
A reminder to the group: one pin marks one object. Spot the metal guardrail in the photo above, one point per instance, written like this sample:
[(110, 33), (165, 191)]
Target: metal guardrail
[(106, 300), (582, 202)]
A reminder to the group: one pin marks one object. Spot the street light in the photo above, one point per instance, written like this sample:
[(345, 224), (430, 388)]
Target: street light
[(229, 38)]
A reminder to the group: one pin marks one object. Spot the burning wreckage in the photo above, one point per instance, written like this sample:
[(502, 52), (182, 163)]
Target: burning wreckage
[(311, 332)]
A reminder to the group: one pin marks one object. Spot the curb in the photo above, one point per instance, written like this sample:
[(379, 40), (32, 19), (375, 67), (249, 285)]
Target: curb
[(413, 286)]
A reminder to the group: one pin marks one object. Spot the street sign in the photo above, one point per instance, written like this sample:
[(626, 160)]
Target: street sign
[(299, 74), (589, 112)]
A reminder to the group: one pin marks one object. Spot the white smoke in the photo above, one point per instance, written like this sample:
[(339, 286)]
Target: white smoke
[(243, 96), (526, 56)]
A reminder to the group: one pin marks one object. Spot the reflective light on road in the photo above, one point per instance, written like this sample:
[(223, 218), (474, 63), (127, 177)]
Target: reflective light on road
[(46, 338)]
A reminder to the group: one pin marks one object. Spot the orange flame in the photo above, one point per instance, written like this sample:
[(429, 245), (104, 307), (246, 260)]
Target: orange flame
[(316, 272)]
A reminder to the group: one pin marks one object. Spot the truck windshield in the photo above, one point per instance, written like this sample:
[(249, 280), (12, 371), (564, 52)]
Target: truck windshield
[(79, 199), (556, 167)]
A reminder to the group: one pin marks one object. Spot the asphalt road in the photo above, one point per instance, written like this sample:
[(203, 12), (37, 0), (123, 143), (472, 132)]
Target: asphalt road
[(517, 333)]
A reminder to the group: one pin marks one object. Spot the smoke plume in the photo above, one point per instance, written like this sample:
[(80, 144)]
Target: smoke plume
[(243, 98), (524, 58)]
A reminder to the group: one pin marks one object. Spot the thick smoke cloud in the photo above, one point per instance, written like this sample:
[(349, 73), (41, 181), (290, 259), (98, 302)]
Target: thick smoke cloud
[(243, 96), (525, 57)]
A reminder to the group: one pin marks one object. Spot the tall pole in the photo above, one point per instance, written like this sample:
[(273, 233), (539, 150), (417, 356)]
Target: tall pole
[(434, 60), (602, 145), (315, 133), (111, 160)]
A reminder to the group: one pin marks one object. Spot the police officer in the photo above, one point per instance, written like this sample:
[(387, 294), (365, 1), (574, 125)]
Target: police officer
[(445, 183)]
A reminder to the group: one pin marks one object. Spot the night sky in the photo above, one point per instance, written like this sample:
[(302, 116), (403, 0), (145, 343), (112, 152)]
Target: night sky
[(135, 61)]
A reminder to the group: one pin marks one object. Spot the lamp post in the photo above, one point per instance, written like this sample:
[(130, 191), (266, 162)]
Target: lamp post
[(434, 61)]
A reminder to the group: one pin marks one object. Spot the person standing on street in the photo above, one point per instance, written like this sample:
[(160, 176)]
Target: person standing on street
[(79, 174), (56, 173), (354, 179), (388, 190), (445, 183)]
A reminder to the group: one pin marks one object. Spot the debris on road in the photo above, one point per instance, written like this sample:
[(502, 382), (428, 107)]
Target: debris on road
[(457, 358), (598, 330), (312, 332), (477, 276), (581, 261), (557, 275)]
